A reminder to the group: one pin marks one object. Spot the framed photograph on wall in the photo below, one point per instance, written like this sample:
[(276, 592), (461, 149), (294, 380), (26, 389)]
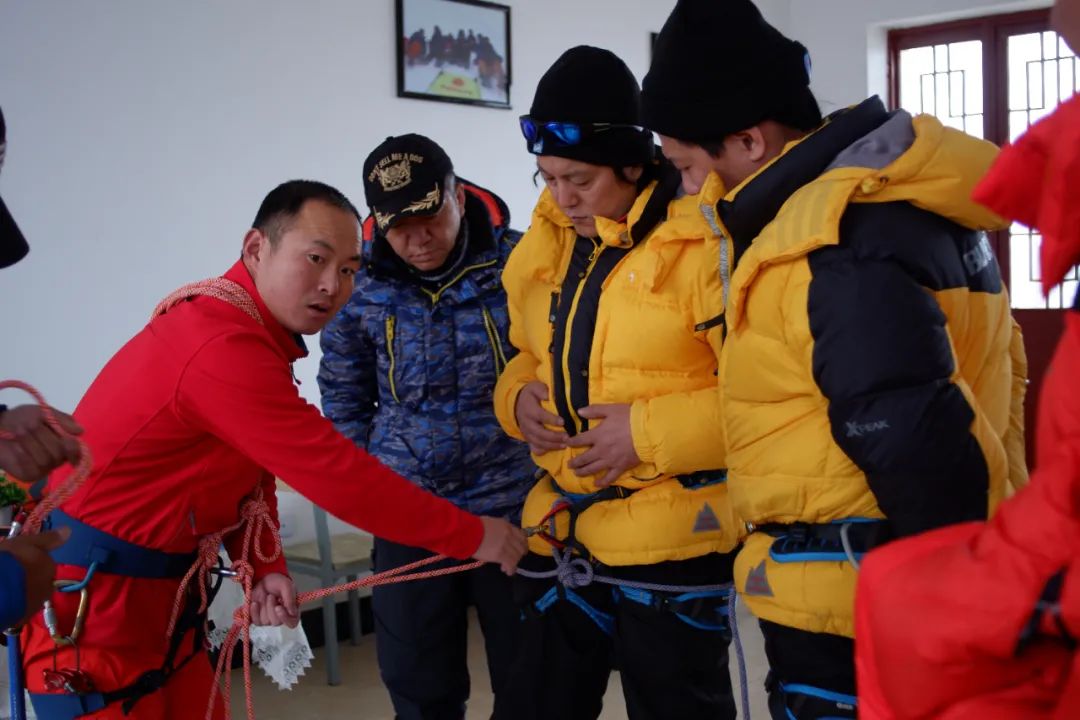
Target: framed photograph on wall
[(454, 51)]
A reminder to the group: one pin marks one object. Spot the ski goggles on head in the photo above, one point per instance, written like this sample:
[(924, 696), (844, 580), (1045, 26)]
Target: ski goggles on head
[(537, 132)]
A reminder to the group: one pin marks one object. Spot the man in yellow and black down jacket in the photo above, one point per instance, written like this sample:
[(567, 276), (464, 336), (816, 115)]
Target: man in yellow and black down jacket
[(872, 375), (615, 309)]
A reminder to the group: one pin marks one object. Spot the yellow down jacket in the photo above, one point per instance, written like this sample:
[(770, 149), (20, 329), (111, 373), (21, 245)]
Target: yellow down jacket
[(872, 369), (636, 324)]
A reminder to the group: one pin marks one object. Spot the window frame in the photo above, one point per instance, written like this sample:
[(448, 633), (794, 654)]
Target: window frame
[(994, 32)]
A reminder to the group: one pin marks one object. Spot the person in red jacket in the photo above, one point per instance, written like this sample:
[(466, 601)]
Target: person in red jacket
[(191, 419), (981, 620)]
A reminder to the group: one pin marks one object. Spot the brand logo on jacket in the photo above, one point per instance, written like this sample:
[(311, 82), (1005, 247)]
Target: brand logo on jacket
[(757, 582), (979, 257), (706, 520), (855, 429)]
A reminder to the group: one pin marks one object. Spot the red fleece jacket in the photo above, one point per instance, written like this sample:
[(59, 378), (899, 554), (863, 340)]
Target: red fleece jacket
[(184, 422), (940, 617)]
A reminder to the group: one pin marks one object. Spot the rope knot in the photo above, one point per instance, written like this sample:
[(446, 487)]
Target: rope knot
[(255, 509), (245, 572), (208, 549), (576, 573)]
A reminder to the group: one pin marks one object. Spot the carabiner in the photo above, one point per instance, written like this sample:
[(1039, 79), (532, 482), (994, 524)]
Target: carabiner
[(52, 624)]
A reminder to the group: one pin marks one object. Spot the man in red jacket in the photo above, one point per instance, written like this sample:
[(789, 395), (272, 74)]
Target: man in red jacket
[(981, 620), (193, 416)]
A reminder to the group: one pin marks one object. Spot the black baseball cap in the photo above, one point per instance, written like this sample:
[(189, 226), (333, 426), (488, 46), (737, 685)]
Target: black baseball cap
[(13, 247), (405, 177)]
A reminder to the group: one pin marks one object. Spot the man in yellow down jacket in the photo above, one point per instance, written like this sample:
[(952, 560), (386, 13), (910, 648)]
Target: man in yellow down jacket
[(871, 376), (615, 310)]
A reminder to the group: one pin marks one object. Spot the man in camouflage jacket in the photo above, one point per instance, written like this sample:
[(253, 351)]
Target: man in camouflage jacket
[(408, 369)]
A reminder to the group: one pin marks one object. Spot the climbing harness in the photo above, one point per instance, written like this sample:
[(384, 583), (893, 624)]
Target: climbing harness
[(706, 607), (841, 540)]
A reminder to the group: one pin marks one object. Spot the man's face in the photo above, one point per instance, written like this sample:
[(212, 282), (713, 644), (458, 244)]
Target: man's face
[(692, 162), (735, 163), (307, 275), (585, 192), (426, 242)]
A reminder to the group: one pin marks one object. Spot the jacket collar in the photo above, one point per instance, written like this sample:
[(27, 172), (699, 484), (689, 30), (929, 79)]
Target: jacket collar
[(747, 209), (864, 154), (291, 344), (615, 233)]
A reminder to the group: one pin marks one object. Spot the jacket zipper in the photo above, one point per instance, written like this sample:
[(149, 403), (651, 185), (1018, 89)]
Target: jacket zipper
[(725, 262), (496, 344), (465, 271), (390, 351), (598, 248)]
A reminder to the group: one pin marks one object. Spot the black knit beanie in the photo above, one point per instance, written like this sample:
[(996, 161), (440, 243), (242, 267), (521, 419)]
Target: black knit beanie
[(590, 85), (719, 68)]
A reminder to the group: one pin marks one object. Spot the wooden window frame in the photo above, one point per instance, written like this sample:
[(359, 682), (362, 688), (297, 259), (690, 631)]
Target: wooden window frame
[(994, 32)]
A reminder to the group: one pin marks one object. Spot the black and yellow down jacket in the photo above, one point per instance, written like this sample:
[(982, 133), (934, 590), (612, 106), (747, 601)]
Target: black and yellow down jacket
[(871, 369), (606, 320)]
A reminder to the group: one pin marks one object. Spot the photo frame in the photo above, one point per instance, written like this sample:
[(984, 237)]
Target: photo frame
[(454, 51)]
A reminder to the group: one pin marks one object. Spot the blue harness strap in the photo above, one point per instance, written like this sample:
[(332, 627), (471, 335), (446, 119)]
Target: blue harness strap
[(98, 551), (820, 702), (702, 478), (64, 706), (805, 542), (603, 620), (820, 694), (696, 609), (89, 546), (579, 503)]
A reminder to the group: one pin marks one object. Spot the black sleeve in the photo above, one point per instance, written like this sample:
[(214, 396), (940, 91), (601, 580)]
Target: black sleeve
[(884, 359)]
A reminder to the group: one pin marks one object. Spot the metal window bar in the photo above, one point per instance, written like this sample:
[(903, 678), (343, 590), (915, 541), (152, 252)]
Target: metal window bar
[(944, 91), (931, 51)]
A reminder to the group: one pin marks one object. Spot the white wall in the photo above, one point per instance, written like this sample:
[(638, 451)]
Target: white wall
[(142, 136), (847, 38)]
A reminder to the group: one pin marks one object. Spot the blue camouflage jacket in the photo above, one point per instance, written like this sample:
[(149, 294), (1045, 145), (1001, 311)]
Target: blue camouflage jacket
[(408, 371)]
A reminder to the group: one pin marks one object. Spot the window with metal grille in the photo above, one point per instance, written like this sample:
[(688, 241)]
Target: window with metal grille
[(991, 77)]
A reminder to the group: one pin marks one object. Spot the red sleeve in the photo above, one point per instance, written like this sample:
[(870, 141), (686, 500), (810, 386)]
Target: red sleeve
[(234, 541), (1034, 181), (238, 388)]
